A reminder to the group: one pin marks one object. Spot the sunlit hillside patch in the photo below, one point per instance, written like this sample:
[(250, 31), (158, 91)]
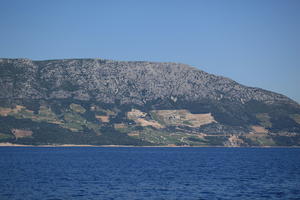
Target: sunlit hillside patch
[(259, 129), (102, 118), (141, 119), (182, 118)]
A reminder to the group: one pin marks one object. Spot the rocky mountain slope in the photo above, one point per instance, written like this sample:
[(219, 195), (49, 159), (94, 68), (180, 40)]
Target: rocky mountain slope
[(95, 101)]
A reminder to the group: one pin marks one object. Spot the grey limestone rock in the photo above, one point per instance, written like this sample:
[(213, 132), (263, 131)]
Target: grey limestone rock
[(128, 82)]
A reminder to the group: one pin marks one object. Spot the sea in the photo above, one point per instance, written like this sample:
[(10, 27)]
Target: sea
[(54, 173)]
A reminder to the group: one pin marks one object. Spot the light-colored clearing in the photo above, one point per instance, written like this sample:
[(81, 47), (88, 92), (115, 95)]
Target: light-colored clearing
[(200, 119), (234, 141), (19, 133), (135, 113), (152, 123), (8, 144), (259, 129), (5, 111), (119, 125), (139, 118), (103, 118), (134, 133), (184, 118)]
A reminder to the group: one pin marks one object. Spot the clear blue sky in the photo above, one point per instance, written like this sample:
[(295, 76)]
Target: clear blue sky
[(255, 42)]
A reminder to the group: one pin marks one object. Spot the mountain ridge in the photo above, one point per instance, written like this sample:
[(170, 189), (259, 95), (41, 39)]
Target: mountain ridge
[(188, 68), (143, 96)]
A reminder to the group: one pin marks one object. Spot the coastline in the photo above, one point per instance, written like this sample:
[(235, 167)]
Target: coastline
[(7, 144)]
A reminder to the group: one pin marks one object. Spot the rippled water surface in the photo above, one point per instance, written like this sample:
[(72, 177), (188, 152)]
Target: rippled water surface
[(149, 173)]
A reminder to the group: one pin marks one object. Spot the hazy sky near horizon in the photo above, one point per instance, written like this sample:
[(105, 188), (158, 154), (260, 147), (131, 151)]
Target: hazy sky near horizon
[(255, 43)]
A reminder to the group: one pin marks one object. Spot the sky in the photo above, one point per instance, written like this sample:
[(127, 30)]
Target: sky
[(256, 43)]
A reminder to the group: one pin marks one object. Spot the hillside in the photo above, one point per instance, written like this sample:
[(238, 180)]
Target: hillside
[(101, 102)]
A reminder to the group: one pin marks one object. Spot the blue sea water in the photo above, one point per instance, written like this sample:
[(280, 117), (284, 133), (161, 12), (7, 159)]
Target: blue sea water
[(149, 173)]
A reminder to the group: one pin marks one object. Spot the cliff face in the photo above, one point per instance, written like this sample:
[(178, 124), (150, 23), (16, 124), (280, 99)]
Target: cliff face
[(173, 99)]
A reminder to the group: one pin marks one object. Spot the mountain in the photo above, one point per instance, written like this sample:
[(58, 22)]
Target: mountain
[(105, 102)]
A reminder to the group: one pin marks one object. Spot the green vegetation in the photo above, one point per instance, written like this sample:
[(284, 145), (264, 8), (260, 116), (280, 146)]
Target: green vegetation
[(125, 128), (265, 141), (157, 118), (287, 141), (69, 119), (295, 117), (73, 121), (188, 123), (47, 133), (44, 115), (163, 137), (260, 140), (215, 140), (77, 108), (264, 119), (4, 137), (158, 137), (76, 123)]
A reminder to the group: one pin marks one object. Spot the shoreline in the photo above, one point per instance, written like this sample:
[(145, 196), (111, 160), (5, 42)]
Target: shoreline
[(7, 144)]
